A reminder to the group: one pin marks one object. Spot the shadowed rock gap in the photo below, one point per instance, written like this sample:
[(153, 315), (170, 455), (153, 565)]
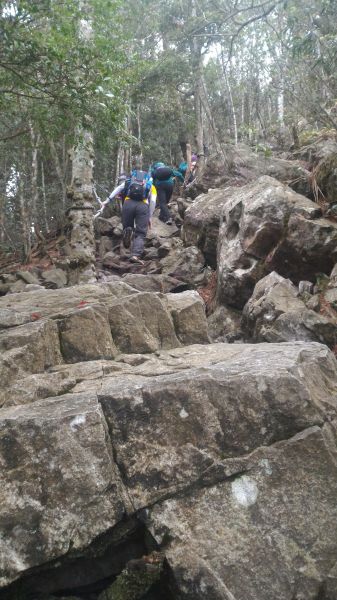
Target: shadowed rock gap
[(86, 575)]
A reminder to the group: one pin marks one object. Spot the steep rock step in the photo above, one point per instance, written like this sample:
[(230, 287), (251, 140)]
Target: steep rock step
[(215, 449)]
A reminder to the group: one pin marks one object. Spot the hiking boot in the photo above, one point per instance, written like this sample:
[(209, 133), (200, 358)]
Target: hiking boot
[(127, 235), (136, 259)]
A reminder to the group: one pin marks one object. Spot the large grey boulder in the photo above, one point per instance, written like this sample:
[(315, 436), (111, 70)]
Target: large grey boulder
[(268, 227), (54, 278), (225, 451), (85, 335), (266, 533), (224, 324), (185, 264), (141, 323), (59, 485), (276, 313), (241, 165), (183, 429), (202, 222), (188, 313), (38, 344), (88, 323)]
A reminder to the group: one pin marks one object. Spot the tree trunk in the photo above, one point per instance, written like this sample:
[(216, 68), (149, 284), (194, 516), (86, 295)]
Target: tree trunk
[(35, 140), (60, 171), (208, 111), (44, 198), (197, 61), (118, 164), (25, 221), (80, 248), (230, 98), (139, 137)]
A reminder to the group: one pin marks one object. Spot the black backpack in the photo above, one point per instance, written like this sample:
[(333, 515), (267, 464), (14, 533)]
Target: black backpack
[(162, 173), (136, 187)]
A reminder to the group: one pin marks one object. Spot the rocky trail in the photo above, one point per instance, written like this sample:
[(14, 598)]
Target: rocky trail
[(169, 431)]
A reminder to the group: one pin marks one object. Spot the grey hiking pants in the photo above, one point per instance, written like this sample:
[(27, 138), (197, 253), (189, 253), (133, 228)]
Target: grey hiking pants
[(164, 191), (135, 214)]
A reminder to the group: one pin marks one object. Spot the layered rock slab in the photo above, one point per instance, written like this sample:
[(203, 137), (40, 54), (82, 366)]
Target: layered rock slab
[(180, 424), (39, 330), (175, 430), (59, 485), (268, 533)]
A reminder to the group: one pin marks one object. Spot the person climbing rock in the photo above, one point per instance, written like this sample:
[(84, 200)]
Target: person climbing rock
[(163, 179), (140, 197)]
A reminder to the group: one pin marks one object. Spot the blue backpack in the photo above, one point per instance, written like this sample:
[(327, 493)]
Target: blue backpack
[(137, 186)]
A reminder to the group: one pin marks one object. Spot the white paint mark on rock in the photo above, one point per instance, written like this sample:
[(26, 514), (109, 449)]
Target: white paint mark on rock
[(77, 421), (183, 414), (245, 491), (265, 464)]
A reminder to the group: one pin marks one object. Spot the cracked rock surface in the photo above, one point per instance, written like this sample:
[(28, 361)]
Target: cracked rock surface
[(225, 454)]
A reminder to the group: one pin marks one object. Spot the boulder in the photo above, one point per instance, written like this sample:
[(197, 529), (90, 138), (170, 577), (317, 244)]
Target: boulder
[(85, 335), (185, 264), (106, 227), (150, 283), (12, 318), (17, 287), (29, 388), (32, 287), (27, 277), (188, 313), (224, 325), (268, 227), (160, 230), (174, 431), (226, 452), (104, 245), (111, 259), (55, 303), (142, 323), (275, 313), (241, 165), (253, 536), (37, 345), (59, 485), (54, 278), (202, 222)]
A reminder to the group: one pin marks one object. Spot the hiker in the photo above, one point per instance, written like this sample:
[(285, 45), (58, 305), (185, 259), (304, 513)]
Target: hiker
[(163, 179), (139, 203), (188, 172)]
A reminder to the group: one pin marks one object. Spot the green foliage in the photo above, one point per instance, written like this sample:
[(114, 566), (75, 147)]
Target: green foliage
[(47, 65)]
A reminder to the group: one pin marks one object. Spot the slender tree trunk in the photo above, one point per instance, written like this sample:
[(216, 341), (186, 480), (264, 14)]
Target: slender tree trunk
[(44, 198), (60, 171), (230, 98), (198, 108), (139, 137), (197, 61), (280, 107), (118, 169), (208, 111), (2, 219), (25, 221), (35, 140)]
